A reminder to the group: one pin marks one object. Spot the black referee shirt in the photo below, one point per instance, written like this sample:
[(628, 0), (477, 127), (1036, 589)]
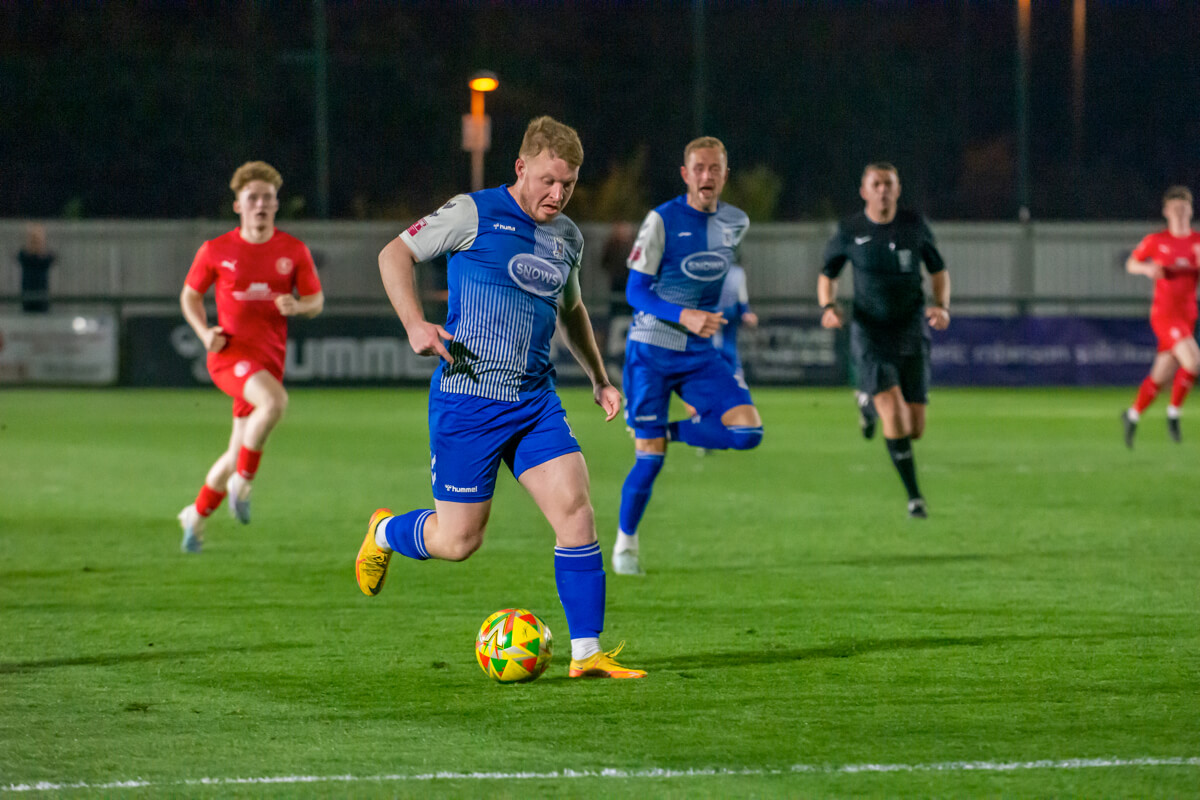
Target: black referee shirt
[(889, 300)]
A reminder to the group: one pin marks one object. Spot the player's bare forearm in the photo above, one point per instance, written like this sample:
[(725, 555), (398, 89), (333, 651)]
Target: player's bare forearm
[(191, 303), (826, 290), (397, 270), (307, 306), (581, 341), (311, 305), (1147, 269), (938, 314), (940, 282), (831, 317)]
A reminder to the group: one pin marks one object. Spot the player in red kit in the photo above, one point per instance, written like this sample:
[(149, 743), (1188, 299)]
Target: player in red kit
[(262, 276), (1170, 258)]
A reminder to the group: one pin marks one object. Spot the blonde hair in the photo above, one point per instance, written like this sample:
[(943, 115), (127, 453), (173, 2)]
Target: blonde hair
[(255, 171), (547, 133), (881, 166), (1177, 193), (704, 143)]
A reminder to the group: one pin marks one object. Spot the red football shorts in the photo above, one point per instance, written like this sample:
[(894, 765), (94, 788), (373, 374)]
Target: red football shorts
[(1171, 330), (230, 371)]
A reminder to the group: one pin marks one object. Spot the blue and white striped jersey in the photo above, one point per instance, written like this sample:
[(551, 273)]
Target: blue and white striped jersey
[(688, 252), (734, 302), (506, 274)]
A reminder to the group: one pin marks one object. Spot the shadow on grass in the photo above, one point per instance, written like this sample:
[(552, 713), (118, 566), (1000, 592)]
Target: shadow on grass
[(112, 659), (857, 647)]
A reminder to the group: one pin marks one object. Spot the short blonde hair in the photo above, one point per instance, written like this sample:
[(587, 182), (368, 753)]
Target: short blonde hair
[(704, 143), (1177, 193), (255, 171), (547, 133), (881, 166)]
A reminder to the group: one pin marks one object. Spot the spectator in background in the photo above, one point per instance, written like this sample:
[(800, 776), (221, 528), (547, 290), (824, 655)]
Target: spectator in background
[(35, 261)]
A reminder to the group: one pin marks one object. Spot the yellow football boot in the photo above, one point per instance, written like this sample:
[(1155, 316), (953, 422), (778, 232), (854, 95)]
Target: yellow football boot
[(370, 569), (604, 665)]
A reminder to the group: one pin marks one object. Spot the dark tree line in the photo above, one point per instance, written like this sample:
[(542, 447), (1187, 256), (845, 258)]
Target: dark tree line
[(143, 110)]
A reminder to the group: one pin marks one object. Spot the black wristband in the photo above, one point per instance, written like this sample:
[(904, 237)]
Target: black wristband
[(828, 306)]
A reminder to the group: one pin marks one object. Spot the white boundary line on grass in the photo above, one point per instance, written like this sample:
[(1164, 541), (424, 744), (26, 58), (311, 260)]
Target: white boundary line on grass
[(613, 772)]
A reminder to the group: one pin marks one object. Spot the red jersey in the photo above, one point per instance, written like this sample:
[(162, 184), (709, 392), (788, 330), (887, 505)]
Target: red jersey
[(248, 278), (1179, 256)]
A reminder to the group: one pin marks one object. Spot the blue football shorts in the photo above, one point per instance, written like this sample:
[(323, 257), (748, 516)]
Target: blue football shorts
[(703, 378), (469, 436)]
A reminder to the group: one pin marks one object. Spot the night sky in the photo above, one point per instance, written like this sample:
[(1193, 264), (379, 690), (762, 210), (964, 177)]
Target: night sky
[(143, 110)]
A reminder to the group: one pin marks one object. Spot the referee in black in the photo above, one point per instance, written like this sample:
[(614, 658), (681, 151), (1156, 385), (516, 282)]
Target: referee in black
[(888, 335)]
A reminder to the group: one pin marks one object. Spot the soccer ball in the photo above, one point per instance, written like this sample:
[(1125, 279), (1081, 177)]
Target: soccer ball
[(513, 646)]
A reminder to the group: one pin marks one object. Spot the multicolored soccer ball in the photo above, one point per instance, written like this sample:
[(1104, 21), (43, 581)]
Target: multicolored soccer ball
[(513, 646)]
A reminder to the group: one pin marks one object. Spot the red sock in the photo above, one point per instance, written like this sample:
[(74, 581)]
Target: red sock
[(1146, 394), (208, 500), (247, 463), (1184, 381)]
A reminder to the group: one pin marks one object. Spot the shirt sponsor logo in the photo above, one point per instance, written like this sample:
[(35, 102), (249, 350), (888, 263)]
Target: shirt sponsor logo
[(705, 266), (500, 226), (861, 239), (536, 275), (685, 233), (227, 264), (905, 259), (416, 226), (460, 489), (646, 418), (255, 291), (284, 265)]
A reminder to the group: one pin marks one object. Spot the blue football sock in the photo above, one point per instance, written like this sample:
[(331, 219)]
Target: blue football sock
[(579, 575), (635, 493), (708, 432), (406, 533)]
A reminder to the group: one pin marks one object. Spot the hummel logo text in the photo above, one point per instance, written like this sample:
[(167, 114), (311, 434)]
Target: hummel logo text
[(500, 226), (460, 489)]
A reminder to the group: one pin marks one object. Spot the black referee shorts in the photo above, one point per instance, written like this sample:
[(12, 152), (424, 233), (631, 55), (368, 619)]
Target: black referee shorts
[(879, 369)]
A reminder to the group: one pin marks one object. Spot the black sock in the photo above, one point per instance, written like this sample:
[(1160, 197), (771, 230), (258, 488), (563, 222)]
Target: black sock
[(902, 456)]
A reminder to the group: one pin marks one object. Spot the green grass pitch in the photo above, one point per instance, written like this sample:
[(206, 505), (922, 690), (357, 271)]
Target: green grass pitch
[(797, 626)]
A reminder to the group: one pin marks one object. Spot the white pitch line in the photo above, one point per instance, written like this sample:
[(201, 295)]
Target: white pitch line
[(614, 772)]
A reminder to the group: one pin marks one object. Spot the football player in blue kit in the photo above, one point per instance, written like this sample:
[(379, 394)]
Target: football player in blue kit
[(679, 261), (513, 274)]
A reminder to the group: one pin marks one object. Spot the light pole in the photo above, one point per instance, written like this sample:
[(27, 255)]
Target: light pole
[(477, 126)]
